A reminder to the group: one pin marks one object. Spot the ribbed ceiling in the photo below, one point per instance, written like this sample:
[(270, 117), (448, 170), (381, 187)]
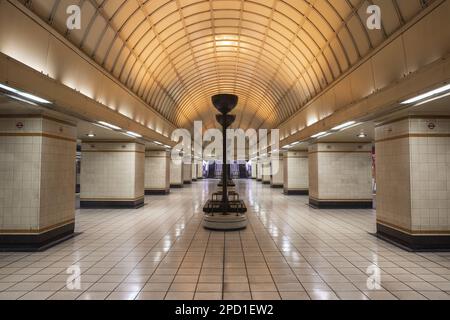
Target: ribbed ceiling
[(275, 54)]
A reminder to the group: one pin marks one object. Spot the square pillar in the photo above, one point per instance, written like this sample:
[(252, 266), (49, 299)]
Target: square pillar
[(254, 168), (259, 171), (276, 170), (157, 172), (37, 182), (296, 173), (340, 175), (187, 173), (199, 170), (176, 173), (266, 171), (112, 174), (413, 182), (194, 170)]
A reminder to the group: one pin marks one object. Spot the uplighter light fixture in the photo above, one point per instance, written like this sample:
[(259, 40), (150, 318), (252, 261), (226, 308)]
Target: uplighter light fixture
[(344, 125), (25, 95), (428, 94)]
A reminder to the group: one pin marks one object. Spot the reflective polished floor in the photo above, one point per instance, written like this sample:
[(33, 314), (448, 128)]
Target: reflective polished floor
[(288, 251)]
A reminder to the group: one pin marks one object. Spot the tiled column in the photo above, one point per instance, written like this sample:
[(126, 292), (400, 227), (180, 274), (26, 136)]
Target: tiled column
[(194, 170), (296, 176), (112, 174), (187, 173), (199, 170), (157, 172), (176, 173), (340, 175), (259, 170), (413, 182), (277, 172), (254, 169), (266, 171), (37, 182)]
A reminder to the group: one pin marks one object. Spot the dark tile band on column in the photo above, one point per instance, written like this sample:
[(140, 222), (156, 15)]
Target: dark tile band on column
[(413, 242), (36, 242), (296, 192), (346, 204), (149, 192), (276, 186), (112, 204)]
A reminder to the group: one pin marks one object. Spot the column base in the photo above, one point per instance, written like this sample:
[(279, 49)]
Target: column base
[(187, 182), (176, 186), (340, 204), (413, 242), (266, 182), (296, 192), (111, 204), (276, 186), (193, 180), (258, 179), (36, 242), (150, 192), (224, 222)]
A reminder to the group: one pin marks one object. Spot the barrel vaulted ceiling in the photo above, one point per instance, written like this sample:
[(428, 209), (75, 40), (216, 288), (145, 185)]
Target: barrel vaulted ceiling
[(275, 54)]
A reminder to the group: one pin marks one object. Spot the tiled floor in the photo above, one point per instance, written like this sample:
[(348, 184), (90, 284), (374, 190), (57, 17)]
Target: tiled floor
[(288, 251)]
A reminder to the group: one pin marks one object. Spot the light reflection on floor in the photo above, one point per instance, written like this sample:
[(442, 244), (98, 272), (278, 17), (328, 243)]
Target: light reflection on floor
[(289, 251)]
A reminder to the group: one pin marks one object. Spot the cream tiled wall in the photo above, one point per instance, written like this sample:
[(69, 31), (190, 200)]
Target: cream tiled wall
[(254, 169), (194, 170), (259, 170), (176, 172), (199, 169), (277, 169), (187, 172), (340, 171), (112, 171), (266, 170), (296, 170), (413, 174), (37, 174), (157, 170)]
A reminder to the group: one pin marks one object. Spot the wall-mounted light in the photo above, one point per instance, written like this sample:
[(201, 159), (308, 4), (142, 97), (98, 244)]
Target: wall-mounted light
[(110, 126), (320, 134), (25, 95), (428, 94), (344, 125), (134, 134)]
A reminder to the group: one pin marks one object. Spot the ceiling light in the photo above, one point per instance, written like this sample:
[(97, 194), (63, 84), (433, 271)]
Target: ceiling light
[(362, 135), (24, 94), (432, 99), (91, 135), (158, 143), (294, 143), (344, 125), (320, 134), (134, 134), (111, 126), (21, 100), (428, 94)]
